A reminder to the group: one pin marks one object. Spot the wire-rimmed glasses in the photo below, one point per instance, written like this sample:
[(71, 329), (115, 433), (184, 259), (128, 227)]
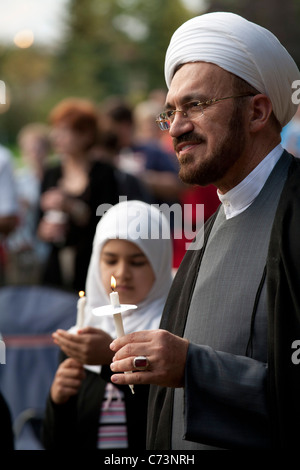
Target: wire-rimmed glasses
[(190, 109)]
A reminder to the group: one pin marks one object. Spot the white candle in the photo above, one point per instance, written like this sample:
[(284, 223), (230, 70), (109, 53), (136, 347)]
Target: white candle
[(80, 309), (114, 299), (119, 324), (115, 302)]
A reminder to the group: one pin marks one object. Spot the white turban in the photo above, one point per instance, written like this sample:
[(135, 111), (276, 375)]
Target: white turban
[(243, 48)]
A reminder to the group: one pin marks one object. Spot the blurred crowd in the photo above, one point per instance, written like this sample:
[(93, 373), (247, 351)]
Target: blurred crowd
[(85, 155)]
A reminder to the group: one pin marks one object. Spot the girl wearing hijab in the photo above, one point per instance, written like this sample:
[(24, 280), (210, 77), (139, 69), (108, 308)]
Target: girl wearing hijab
[(84, 409)]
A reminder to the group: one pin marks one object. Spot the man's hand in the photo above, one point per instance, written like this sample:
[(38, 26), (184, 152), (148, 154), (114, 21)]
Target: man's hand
[(88, 346), (67, 381), (165, 352)]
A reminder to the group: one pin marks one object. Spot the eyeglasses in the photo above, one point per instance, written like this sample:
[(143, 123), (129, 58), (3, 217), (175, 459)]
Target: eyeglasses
[(191, 110)]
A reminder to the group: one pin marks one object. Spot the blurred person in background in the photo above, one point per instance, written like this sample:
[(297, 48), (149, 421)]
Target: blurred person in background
[(71, 192), (158, 96), (26, 252), (8, 206), (146, 130), (146, 159), (107, 149)]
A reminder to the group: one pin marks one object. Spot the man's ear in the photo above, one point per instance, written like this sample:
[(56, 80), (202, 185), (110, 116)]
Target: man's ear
[(260, 112)]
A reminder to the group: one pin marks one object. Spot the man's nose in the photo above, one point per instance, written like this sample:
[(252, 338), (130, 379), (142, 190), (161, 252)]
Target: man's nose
[(180, 125)]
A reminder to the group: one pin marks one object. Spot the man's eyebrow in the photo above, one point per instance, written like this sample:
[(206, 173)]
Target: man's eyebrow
[(168, 106), (186, 99)]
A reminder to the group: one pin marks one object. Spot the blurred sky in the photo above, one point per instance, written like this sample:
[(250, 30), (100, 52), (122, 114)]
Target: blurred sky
[(44, 17)]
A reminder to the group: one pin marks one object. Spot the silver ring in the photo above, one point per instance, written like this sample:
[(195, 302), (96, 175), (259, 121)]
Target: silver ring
[(140, 363)]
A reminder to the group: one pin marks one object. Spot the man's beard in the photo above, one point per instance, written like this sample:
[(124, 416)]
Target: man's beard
[(213, 168)]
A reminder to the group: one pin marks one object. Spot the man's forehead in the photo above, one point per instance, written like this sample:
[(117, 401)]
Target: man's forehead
[(196, 79)]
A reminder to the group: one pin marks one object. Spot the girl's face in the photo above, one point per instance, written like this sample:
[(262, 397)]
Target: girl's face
[(130, 267)]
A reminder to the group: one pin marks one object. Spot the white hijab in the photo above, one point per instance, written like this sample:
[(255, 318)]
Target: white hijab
[(241, 47), (138, 223)]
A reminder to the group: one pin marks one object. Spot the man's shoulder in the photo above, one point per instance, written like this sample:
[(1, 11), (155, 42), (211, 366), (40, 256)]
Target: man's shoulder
[(292, 180), (290, 196)]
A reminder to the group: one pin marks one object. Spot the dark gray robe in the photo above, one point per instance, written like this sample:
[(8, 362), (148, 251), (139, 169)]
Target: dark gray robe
[(283, 376)]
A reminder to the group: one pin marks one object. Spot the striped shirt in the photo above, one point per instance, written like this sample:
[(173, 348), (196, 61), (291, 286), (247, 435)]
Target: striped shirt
[(112, 431)]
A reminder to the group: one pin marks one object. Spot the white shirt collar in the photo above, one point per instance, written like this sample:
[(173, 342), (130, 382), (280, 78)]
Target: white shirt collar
[(241, 196)]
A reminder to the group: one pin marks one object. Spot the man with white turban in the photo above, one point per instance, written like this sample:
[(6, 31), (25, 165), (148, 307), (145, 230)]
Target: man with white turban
[(224, 365)]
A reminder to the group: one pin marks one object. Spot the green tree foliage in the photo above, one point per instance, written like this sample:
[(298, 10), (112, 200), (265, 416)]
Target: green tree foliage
[(110, 47), (25, 73), (116, 46)]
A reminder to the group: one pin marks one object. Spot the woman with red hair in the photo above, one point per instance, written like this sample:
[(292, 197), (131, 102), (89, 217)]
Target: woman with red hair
[(71, 192)]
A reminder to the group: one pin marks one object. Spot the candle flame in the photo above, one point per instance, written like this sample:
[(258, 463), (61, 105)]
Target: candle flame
[(113, 283), (81, 293)]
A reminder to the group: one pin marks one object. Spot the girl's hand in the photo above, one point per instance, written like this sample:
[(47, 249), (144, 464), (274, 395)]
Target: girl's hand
[(88, 346), (67, 381)]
